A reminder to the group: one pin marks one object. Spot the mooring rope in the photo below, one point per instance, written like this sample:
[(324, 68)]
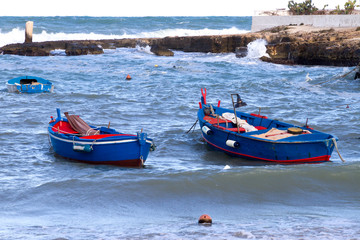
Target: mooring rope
[(347, 104), (92, 144), (334, 141), (49, 141), (89, 131), (193, 126), (333, 78)]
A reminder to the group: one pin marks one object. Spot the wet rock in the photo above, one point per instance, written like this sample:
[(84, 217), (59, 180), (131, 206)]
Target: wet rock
[(95, 49), (241, 52), (341, 53), (142, 43), (277, 61), (75, 49), (160, 50), (27, 49)]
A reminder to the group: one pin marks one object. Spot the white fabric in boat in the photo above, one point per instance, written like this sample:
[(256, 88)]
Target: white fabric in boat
[(240, 122)]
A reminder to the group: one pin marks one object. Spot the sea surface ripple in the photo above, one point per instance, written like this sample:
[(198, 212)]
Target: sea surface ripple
[(44, 196)]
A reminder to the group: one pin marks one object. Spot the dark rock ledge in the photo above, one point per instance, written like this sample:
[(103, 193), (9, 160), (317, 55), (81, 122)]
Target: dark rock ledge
[(286, 45)]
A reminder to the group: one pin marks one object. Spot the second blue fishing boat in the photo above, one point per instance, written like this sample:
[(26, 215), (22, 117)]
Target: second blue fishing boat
[(256, 137)]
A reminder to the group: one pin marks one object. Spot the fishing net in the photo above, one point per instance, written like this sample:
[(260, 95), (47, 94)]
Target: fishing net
[(80, 125)]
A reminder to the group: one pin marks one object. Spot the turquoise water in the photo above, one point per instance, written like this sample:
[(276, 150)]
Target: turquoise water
[(44, 196)]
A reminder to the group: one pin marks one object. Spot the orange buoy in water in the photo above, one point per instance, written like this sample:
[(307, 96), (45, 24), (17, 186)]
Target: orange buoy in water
[(128, 77), (205, 219)]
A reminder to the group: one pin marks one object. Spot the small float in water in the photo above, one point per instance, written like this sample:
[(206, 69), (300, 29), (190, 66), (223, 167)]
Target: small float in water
[(29, 84), (73, 138)]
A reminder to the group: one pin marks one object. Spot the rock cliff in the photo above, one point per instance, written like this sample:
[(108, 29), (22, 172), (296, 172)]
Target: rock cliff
[(286, 45), (313, 46)]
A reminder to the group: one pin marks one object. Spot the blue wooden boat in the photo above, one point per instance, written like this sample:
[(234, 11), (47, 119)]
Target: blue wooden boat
[(72, 138), (256, 137), (29, 84)]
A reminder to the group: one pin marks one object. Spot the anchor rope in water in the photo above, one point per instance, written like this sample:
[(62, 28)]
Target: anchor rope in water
[(334, 78), (193, 126), (342, 76), (49, 141), (334, 141), (347, 104)]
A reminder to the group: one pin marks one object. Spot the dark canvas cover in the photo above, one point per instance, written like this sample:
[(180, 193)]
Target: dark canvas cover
[(80, 125)]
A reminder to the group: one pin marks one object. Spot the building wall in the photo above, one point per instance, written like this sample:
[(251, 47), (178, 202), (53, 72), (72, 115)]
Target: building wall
[(263, 22)]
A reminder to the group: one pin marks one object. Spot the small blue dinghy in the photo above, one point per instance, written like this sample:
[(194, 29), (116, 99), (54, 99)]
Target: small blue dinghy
[(73, 138), (29, 84)]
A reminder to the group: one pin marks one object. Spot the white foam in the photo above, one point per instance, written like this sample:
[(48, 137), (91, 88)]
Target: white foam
[(190, 32), (58, 52), (145, 49), (227, 167), (17, 35), (257, 49)]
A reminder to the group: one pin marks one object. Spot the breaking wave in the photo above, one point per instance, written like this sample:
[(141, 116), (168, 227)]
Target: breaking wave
[(257, 49), (17, 35)]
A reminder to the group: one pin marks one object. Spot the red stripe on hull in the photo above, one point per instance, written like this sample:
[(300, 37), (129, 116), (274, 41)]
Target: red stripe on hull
[(304, 160), (100, 136)]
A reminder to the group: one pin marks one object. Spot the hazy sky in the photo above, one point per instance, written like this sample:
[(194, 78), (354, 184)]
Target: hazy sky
[(147, 7)]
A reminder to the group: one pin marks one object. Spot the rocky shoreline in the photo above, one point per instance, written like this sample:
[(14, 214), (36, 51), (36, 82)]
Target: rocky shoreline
[(303, 45)]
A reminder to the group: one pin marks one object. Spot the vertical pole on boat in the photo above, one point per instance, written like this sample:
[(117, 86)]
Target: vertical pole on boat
[(232, 99), (29, 31), (58, 114), (260, 116)]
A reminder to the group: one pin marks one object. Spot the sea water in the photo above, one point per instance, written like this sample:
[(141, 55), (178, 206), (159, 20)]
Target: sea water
[(44, 196)]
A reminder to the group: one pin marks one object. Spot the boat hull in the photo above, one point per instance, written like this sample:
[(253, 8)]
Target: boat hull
[(275, 152), (306, 148), (128, 152), (106, 146)]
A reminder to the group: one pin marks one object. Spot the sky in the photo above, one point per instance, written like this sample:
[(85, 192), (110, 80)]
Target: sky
[(126, 8)]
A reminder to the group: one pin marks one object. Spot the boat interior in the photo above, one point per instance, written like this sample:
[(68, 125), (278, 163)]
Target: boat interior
[(258, 121), (28, 81), (263, 124), (65, 128)]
